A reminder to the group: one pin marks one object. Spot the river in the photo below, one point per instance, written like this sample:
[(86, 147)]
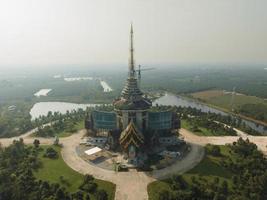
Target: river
[(172, 100)]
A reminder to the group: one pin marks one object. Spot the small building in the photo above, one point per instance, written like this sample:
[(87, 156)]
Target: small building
[(96, 141), (92, 151)]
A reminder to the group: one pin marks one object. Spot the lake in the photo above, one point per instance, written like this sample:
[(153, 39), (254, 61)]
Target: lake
[(42, 92), (105, 86), (42, 108), (71, 79), (172, 100), (57, 76)]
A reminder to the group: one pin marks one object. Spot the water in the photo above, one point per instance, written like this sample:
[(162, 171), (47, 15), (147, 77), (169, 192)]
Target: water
[(42, 108), (57, 76), (42, 92), (172, 100), (105, 86), (71, 79)]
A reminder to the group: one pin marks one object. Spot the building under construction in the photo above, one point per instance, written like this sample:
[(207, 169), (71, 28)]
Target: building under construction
[(132, 125)]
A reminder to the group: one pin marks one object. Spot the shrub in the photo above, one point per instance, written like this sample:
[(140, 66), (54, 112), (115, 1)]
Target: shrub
[(214, 150), (51, 153), (101, 195), (36, 143)]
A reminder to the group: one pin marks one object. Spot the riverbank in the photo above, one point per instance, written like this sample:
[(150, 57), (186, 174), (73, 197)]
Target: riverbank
[(225, 101), (252, 123)]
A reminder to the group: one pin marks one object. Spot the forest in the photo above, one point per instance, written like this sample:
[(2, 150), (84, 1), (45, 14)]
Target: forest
[(244, 172), (18, 163), (19, 121), (250, 80), (16, 122), (60, 124)]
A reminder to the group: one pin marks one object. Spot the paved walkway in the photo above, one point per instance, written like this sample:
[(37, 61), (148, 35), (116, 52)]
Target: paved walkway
[(129, 185), (133, 185), (260, 141)]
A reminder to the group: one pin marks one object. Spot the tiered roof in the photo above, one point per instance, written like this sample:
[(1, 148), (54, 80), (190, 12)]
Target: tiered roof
[(132, 97), (131, 135)]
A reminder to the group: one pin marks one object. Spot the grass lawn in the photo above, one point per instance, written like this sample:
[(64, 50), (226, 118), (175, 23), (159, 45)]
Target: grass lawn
[(78, 126), (208, 168), (202, 131), (52, 169), (155, 187)]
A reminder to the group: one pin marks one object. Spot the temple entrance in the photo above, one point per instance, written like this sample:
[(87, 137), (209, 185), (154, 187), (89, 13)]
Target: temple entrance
[(132, 154)]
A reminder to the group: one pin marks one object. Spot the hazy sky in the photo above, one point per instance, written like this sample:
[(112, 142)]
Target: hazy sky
[(48, 32)]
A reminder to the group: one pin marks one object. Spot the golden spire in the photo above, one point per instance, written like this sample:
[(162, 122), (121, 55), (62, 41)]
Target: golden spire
[(131, 60)]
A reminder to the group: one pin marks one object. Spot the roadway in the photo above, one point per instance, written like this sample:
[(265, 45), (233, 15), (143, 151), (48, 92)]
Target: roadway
[(132, 185)]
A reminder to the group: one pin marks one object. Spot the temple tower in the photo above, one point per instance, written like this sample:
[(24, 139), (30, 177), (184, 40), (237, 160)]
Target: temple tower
[(131, 108), (131, 91), (132, 105), (132, 126)]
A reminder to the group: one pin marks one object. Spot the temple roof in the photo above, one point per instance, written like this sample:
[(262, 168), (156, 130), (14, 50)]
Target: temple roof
[(131, 96), (128, 104), (131, 135), (131, 89)]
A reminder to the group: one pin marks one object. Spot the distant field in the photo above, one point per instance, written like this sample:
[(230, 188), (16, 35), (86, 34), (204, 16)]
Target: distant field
[(223, 99), (52, 169), (250, 106), (208, 94)]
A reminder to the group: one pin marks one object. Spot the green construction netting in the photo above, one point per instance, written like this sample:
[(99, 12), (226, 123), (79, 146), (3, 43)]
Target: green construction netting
[(104, 120), (160, 120)]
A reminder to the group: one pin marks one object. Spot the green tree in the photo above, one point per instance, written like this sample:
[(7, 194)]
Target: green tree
[(60, 195), (36, 143), (101, 195), (51, 153), (164, 195)]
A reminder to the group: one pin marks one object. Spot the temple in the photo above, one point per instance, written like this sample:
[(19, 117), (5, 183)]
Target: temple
[(132, 125), (132, 98)]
